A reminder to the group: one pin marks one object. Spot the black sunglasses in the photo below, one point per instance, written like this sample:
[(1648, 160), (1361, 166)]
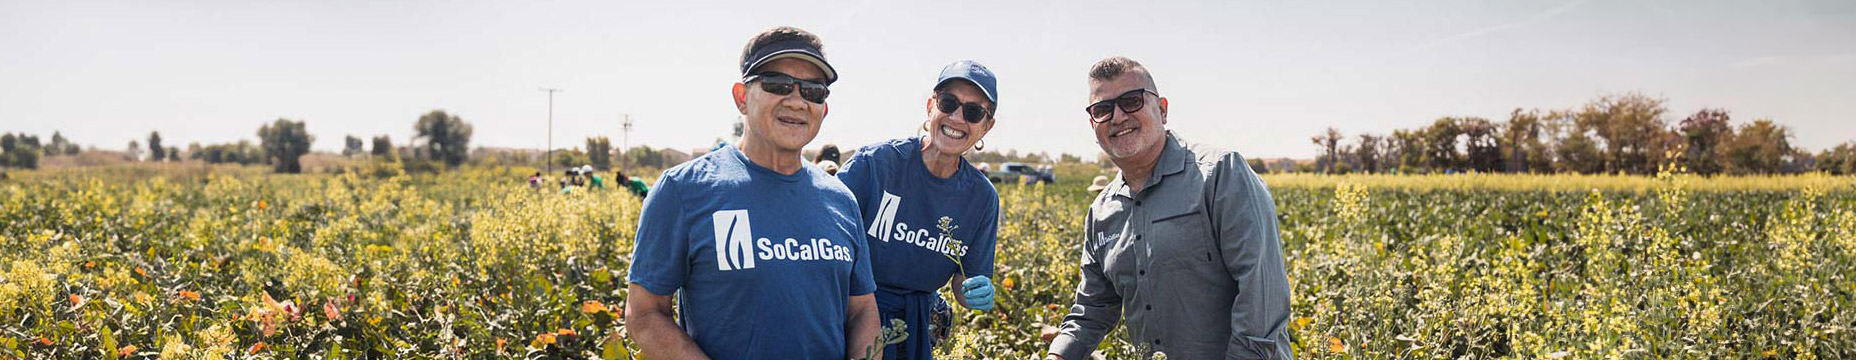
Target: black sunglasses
[(782, 84), (971, 111), (1130, 101)]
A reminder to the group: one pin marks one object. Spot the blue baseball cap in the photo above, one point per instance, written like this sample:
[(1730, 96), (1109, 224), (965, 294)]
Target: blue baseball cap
[(972, 72)]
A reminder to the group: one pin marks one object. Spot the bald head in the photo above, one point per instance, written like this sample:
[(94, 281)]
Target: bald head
[(1115, 67)]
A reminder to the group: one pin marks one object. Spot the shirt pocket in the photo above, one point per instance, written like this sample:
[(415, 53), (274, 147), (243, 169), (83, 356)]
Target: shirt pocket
[(1183, 240)]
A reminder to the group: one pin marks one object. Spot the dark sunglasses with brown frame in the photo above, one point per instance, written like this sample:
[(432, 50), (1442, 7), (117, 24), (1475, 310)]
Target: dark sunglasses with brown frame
[(1130, 101)]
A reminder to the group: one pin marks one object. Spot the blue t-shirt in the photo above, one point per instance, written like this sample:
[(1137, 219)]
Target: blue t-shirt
[(912, 216), (780, 283)]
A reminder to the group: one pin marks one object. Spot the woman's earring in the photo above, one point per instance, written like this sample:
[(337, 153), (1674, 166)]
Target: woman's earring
[(980, 146)]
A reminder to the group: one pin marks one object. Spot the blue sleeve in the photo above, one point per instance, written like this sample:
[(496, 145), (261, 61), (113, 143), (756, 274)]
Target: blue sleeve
[(660, 253), (863, 282), (978, 260)]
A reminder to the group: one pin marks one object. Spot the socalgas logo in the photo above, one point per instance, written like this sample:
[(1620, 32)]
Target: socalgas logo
[(737, 249), (885, 228)]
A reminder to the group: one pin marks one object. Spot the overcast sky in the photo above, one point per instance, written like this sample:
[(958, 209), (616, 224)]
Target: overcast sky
[(1258, 77)]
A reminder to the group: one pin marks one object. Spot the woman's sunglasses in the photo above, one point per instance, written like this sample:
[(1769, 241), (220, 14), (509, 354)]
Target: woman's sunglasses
[(1130, 101), (970, 111), (782, 84)]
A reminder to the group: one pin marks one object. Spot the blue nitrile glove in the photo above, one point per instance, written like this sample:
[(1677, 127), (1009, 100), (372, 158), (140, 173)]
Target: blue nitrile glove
[(979, 292)]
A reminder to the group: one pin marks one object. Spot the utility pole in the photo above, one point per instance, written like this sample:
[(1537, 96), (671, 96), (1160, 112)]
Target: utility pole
[(625, 141), (548, 157)]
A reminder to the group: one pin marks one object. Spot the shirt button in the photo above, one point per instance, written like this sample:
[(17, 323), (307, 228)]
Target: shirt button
[(1137, 203), (1156, 341), (1143, 272), (1150, 307)]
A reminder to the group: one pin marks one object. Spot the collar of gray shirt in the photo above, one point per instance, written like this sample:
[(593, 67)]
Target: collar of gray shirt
[(1173, 159)]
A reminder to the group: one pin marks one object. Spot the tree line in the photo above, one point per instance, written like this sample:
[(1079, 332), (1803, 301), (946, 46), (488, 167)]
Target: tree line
[(1625, 133)]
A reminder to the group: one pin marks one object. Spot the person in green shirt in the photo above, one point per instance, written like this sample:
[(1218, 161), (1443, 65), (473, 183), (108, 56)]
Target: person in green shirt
[(593, 181), (636, 186)]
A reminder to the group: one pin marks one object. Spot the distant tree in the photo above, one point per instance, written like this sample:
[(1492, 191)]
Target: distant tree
[(68, 147), (1579, 153), (1632, 128), (20, 151), (1442, 139), (599, 152), (1368, 152), (1256, 165), (1481, 143), (447, 137), (156, 152), (567, 158), (1407, 149), (1329, 142), (1839, 160), (193, 150), (59, 145), (643, 156), (1703, 134), (135, 150), (242, 153), (1760, 147), (1523, 146), (383, 146), (285, 141), (173, 153), (351, 146)]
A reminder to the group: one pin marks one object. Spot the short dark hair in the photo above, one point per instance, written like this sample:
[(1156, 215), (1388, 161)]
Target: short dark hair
[(778, 34), (1114, 66), (827, 152)]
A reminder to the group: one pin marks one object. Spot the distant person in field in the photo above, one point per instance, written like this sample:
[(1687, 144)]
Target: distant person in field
[(1181, 248), (933, 219), (1098, 184), (594, 181), (534, 181), (636, 186), (567, 181), (761, 249), (828, 158)]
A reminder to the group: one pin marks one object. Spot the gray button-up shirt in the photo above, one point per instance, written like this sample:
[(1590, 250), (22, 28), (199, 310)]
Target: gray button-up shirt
[(1192, 264)]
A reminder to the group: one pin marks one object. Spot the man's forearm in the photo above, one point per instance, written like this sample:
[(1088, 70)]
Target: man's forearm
[(649, 319), (861, 328), (660, 338)]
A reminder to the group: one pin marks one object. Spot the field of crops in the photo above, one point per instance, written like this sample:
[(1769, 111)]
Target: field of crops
[(196, 263)]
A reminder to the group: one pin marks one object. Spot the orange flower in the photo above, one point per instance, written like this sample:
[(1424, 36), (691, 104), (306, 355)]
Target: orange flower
[(126, 350), (1054, 306), (90, 264), (593, 307), (542, 340), (43, 341), (189, 295), (139, 271), (1335, 345), (1008, 283), (499, 344), (76, 300), (261, 204), (255, 348), (567, 332)]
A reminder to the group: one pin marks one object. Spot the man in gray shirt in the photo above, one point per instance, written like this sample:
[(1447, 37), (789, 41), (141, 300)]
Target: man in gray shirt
[(1182, 249)]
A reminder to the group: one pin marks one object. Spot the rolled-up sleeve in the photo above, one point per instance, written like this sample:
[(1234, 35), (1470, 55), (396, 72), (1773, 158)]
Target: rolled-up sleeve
[(1096, 311), (1244, 218)]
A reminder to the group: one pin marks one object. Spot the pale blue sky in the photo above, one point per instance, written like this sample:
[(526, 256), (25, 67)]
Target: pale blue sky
[(1258, 77)]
